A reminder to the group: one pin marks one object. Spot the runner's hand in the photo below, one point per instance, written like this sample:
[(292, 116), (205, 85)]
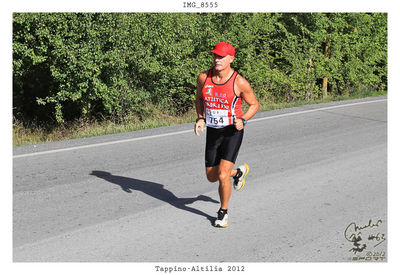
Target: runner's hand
[(239, 124), (199, 124)]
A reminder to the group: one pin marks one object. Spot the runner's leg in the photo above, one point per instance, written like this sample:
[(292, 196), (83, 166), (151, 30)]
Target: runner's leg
[(233, 172), (225, 186), (212, 173)]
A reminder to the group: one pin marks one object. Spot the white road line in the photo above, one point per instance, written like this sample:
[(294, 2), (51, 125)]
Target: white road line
[(188, 131), (319, 109), (99, 144)]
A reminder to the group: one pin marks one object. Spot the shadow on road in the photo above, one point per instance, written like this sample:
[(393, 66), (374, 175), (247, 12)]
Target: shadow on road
[(156, 191)]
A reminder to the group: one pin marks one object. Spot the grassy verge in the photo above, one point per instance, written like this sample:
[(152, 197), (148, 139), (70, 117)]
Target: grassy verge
[(81, 129), (34, 135), (275, 106)]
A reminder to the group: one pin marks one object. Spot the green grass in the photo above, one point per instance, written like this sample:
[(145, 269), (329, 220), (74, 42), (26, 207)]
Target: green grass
[(25, 135), (362, 94)]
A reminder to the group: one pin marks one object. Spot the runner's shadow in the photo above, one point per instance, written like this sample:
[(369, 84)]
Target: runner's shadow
[(157, 191)]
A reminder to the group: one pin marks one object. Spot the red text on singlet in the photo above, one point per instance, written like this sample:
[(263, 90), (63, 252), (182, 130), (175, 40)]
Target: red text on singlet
[(222, 106)]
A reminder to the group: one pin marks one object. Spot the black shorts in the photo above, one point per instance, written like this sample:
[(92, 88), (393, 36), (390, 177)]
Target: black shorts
[(222, 143)]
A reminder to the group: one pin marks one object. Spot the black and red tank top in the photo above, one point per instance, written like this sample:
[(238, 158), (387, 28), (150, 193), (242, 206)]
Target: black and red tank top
[(222, 106)]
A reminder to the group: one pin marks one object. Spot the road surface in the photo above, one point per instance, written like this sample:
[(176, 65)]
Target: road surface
[(318, 179)]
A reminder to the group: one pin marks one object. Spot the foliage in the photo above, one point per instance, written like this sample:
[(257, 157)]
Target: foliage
[(69, 66)]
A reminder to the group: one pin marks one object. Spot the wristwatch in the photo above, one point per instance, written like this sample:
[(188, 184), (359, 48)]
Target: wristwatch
[(197, 119), (244, 121)]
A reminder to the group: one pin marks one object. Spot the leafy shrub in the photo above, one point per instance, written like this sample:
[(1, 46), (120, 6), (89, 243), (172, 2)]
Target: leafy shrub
[(115, 65)]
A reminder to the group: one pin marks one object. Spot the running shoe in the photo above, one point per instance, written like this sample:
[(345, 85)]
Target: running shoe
[(239, 180), (222, 219)]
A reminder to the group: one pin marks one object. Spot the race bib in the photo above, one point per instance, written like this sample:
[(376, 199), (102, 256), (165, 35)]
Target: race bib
[(217, 118)]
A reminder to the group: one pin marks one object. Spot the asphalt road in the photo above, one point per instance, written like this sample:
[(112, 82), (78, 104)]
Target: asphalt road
[(316, 192)]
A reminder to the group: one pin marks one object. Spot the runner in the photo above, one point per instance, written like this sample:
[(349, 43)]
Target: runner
[(220, 91)]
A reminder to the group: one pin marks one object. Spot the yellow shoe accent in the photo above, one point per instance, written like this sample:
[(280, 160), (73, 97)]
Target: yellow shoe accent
[(244, 179), (222, 226)]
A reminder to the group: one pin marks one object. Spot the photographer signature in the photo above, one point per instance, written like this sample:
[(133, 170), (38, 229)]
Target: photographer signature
[(354, 234)]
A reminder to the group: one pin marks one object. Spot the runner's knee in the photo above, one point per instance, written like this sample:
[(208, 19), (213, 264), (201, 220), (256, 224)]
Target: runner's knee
[(223, 176)]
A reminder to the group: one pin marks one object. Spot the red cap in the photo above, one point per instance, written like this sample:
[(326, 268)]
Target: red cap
[(223, 49)]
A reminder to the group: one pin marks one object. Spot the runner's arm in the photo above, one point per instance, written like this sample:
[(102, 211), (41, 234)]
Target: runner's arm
[(246, 93), (200, 104)]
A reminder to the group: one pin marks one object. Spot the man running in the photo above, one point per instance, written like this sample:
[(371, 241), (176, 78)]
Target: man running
[(220, 91)]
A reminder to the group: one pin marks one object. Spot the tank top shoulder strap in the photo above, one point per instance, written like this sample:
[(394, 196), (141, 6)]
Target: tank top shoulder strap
[(234, 75)]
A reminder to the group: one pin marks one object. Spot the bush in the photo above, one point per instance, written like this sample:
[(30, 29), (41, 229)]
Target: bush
[(68, 66)]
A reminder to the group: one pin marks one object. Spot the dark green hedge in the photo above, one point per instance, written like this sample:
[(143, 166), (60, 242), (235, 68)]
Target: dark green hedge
[(114, 65)]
